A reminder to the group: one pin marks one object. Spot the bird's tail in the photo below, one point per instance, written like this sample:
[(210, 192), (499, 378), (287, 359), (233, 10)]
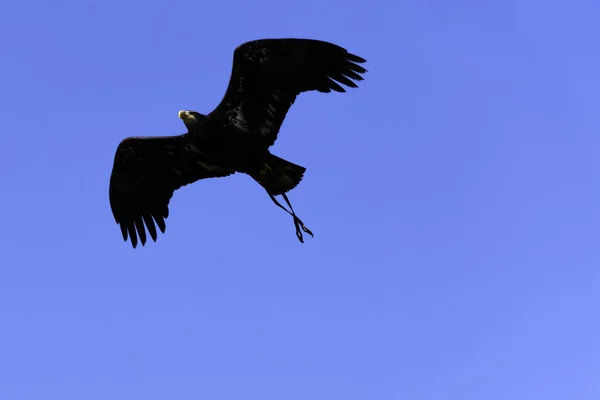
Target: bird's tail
[(276, 175)]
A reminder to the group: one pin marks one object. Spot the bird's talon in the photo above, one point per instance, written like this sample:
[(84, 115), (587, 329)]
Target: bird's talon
[(305, 229)]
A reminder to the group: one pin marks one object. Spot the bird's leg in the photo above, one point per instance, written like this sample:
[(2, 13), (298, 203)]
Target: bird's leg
[(297, 221)]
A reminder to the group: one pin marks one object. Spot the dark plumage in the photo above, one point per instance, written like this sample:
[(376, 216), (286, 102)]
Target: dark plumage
[(267, 76)]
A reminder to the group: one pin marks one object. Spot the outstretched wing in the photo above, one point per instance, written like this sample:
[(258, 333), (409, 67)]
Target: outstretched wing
[(268, 74), (145, 174)]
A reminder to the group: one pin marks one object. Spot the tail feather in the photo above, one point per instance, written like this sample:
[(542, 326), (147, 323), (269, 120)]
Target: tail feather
[(277, 175)]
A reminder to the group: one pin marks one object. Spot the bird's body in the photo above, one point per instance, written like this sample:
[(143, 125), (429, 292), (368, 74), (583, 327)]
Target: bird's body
[(266, 78)]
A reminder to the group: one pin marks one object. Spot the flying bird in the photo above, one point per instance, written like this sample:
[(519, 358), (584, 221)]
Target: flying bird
[(266, 78)]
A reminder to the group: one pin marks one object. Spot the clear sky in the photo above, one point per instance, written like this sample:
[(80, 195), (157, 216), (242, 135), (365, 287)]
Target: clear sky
[(454, 199)]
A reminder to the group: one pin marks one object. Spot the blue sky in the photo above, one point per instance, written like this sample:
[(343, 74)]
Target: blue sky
[(453, 196)]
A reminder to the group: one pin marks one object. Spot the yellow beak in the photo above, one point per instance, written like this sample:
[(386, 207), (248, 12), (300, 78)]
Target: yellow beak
[(185, 115)]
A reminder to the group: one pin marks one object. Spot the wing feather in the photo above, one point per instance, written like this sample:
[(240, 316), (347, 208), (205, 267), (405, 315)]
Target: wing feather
[(269, 74), (146, 172)]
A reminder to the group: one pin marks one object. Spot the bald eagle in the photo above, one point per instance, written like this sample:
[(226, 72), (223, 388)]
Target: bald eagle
[(267, 76)]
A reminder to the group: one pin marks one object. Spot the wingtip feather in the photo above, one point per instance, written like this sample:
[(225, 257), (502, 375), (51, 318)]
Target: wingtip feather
[(355, 58)]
